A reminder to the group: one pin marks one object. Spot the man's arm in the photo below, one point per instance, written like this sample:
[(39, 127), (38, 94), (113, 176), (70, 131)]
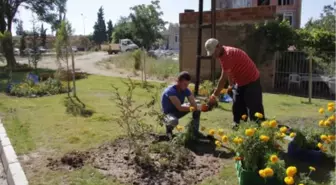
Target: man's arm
[(220, 84), (192, 101), (176, 102)]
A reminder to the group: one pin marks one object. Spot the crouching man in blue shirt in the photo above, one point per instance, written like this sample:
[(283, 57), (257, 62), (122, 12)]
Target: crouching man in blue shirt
[(172, 99)]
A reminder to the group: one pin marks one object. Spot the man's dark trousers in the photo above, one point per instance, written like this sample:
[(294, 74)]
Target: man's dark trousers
[(248, 97)]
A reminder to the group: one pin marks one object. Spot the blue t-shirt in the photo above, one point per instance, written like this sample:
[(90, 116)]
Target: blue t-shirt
[(167, 105)]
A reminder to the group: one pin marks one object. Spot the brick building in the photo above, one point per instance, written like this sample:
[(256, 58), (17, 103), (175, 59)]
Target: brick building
[(285, 9), (233, 28)]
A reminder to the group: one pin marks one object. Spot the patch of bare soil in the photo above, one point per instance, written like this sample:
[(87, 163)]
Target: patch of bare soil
[(157, 162)]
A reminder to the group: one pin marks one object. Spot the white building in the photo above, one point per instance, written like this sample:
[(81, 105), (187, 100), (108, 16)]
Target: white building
[(171, 37)]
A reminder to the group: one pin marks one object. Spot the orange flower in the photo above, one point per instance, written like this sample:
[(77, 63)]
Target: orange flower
[(244, 117), (274, 158), (237, 158)]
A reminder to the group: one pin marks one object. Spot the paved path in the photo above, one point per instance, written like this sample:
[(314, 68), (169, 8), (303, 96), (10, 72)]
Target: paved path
[(86, 63)]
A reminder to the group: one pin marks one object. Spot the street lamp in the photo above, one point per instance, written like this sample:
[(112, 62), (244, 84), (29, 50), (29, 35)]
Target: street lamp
[(83, 17)]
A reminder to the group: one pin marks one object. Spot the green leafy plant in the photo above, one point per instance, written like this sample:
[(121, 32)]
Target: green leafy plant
[(137, 59), (28, 88), (131, 117)]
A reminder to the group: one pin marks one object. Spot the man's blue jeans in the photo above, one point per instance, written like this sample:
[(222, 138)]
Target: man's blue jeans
[(172, 119)]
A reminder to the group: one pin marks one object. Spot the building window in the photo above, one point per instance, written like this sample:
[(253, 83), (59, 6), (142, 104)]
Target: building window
[(176, 38), (288, 17), (263, 2), (285, 2)]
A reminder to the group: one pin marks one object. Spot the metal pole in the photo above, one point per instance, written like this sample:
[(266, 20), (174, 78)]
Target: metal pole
[(213, 35), (199, 46), (83, 17), (310, 85)]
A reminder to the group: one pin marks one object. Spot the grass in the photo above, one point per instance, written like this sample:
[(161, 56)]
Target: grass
[(160, 68), (40, 126)]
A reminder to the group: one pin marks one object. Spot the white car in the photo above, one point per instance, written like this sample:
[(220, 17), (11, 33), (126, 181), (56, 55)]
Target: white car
[(16, 51)]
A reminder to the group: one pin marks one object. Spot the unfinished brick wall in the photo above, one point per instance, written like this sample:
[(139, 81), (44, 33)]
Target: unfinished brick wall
[(233, 28)]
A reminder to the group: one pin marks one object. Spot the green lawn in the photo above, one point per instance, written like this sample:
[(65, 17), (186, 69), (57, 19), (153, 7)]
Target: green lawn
[(39, 128)]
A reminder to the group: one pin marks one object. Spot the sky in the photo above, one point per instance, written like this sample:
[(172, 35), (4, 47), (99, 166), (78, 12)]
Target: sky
[(83, 13)]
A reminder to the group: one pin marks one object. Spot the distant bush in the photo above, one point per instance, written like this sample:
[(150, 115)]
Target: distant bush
[(28, 88)]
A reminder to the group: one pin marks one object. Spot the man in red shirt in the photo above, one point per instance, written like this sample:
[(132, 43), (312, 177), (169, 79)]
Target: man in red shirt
[(240, 70)]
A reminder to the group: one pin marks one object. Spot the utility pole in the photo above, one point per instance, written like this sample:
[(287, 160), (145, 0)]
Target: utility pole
[(83, 17)]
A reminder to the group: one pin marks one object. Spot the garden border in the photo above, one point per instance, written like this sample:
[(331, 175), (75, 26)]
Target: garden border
[(12, 167)]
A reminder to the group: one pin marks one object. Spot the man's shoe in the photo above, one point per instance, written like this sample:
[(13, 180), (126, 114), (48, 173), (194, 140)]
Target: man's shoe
[(235, 126)]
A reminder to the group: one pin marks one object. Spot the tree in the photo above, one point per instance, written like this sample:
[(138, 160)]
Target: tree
[(325, 22), (8, 9), (23, 43), (123, 29), (43, 35), (147, 23), (99, 33), (109, 30), (62, 46), (19, 28), (35, 56)]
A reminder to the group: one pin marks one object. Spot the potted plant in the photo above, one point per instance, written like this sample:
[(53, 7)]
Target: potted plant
[(304, 145), (327, 138), (256, 153)]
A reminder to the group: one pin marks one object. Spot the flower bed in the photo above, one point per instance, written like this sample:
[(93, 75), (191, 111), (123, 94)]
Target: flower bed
[(28, 88)]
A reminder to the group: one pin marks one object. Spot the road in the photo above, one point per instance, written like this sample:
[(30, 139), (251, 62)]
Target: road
[(85, 63)]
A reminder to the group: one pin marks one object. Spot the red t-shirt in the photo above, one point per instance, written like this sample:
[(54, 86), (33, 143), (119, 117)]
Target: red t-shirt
[(238, 66)]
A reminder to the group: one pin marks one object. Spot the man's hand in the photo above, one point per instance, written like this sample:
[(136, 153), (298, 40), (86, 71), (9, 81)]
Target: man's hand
[(212, 100)]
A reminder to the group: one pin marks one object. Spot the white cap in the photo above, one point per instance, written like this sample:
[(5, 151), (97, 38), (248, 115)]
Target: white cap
[(210, 46)]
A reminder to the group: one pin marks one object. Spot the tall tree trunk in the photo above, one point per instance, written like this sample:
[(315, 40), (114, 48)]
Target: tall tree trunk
[(8, 50)]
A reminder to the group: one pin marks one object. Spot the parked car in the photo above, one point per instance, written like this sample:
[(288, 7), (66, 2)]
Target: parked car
[(74, 49), (16, 51), (42, 49)]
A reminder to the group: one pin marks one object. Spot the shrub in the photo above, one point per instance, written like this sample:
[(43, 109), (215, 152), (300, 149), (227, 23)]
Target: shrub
[(137, 59), (76, 108), (28, 88)]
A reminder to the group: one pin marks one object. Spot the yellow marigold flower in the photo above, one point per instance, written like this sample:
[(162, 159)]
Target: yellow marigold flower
[(324, 137), (262, 173), (223, 91), (331, 104), (265, 124), (321, 110), (191, 109), (202, 128), (291, 171), (301, 184), (264, 138), (283, 129), (258, 115), (292, 135), (332, 118), (249, 132), (212, 132), (274, 158), (179, 128), (220, 132), (319, 145), (289, 180), (321, 123), (311, 168), (331, 108), (244, 117), (269, 172), (238, 140), (273, 123), (218, 143), (224, 139), (331, 137), (327, 123)]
